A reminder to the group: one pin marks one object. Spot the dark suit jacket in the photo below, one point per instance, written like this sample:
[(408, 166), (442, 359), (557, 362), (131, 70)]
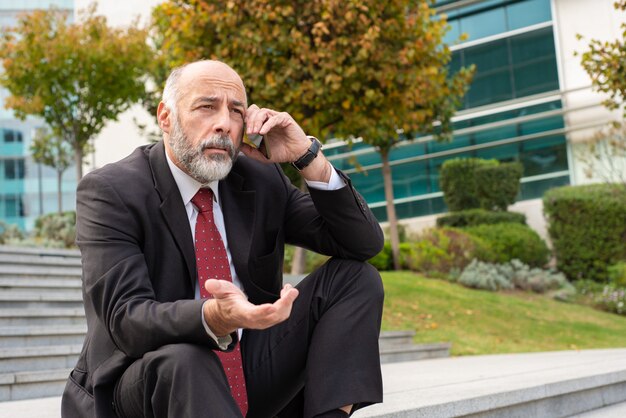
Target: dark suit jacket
[(138, 260)]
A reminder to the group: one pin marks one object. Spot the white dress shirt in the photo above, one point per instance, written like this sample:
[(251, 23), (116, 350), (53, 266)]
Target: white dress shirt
[(188, 187)]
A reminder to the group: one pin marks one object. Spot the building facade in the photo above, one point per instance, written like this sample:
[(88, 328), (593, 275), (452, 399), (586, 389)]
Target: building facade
[(530, 101), (27, 189)]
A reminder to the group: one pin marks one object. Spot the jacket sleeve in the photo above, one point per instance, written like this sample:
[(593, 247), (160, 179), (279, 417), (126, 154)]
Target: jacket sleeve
[(336, 222), (116, 282)]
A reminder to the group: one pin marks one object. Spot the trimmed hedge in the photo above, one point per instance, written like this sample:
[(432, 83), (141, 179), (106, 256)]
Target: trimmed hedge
[(587, 226), (458, 182), (474, 217), (508, 241), (497, 186)]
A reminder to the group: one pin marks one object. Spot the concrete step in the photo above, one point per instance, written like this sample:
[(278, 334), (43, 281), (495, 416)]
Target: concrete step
[(415, 352), (38, 271), (30, 336), (32, 384), (40, 299), (58, 252), (40, 260), (391, 339), (21, 359), (538, 385), (47, 316), (24, 284)]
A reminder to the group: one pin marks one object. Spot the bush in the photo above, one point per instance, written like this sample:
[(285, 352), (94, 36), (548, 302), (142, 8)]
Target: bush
[(498, 186), (510, 240), (383, 261), (617, 274), (57, 228), (458, 182), (474, 217), (587, 227), (442, 250), (612, 299), (517, 275), (9, 233)]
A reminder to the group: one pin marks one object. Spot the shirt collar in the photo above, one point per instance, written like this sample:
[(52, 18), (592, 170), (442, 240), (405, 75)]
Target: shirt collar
[(187, 185)]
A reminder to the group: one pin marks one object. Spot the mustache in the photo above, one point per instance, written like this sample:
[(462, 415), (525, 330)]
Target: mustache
[(219, 142)]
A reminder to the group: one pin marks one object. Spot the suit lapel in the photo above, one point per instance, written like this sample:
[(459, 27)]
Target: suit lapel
[(239, 217), (172, 207)]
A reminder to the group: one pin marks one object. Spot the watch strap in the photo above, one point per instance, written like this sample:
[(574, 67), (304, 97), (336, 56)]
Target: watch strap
[(310, 154)]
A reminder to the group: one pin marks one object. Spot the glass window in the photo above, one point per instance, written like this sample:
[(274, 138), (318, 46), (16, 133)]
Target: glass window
[(480, 25), (13, 206), (9, 136), (410, 179), (14, 169), (526, 13)]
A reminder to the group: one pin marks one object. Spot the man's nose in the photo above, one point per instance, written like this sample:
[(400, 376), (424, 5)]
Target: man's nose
[(222, 122)]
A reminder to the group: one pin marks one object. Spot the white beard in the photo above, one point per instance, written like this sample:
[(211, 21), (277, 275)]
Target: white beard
[(204, 169)]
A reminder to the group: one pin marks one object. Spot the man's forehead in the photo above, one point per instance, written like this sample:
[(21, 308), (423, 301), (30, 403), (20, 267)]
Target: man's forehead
[(212, 78)]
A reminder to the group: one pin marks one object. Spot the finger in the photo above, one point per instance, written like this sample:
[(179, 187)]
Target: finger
[(281, 119), (257, 119), (220, 288)]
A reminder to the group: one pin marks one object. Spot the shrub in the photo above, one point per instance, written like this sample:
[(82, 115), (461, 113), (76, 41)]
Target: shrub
[(458, 182), (479, 275), (442, 250), (510, 240), (587, 227), (383, 261), (472, 217), (9, 233), (515, 274), (55, 227), (617, 274), (313, 260), (497, 186), (612, 299)]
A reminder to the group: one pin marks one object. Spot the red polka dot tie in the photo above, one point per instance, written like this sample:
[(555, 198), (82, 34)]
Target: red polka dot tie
[(212, 263)]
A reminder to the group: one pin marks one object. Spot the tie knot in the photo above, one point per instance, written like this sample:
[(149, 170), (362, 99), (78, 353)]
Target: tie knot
[(203, 200)]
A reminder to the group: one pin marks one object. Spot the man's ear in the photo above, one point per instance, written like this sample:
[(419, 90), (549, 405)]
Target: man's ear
[(163, 117)]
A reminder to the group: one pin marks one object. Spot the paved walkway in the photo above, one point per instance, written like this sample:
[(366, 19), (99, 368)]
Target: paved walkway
[(456, 386)]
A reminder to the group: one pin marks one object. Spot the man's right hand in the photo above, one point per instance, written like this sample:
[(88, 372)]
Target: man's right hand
[(229, 309)]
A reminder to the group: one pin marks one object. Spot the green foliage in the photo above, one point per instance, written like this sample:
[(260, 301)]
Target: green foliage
[(612, 299), (458, 182), (515, 274), (76, 76), (57, 228), (508, 241), (617, 274), (9, 233), (587, 227), (313, 260), (604, 62), (497, 186), (383, 260), (443, 250), (472, 217)]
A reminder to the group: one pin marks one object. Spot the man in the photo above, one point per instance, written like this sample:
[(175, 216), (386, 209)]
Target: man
[(158, 228)]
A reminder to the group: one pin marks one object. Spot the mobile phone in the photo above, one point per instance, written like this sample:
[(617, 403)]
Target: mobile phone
[(257, 141)]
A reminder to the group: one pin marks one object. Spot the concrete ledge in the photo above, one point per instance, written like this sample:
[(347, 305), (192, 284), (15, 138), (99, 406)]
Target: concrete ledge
[(555, 384), (5, 249)]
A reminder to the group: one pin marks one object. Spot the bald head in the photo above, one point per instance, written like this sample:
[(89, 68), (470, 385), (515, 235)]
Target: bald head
[(182, 80)]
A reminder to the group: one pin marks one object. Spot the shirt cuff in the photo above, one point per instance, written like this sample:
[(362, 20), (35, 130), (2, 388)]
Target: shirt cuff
[(222, 342), (335, 182)]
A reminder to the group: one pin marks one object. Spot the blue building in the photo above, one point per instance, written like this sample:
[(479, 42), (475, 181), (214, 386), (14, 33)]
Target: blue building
[(27, 189), (527, 103)]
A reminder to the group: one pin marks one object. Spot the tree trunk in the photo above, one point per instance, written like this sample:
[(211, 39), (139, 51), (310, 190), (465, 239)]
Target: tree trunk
[(298, 263), (78, 160), (391, 210), (59, 191)]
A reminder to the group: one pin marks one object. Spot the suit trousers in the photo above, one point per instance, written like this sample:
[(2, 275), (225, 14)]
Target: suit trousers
[(323, 357)]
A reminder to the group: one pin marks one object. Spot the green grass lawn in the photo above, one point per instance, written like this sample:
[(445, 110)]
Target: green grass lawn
[(482, 322)]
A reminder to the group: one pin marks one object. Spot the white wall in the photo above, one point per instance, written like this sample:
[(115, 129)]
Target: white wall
[(121, 137), (593, 19)]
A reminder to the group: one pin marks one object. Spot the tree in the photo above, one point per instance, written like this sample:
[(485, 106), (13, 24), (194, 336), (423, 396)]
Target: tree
[(50, 150), (74, 76), (341, 68), (605, 62)]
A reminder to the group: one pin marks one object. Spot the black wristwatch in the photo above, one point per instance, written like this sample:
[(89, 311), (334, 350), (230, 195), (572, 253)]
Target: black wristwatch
[(310, 154)]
